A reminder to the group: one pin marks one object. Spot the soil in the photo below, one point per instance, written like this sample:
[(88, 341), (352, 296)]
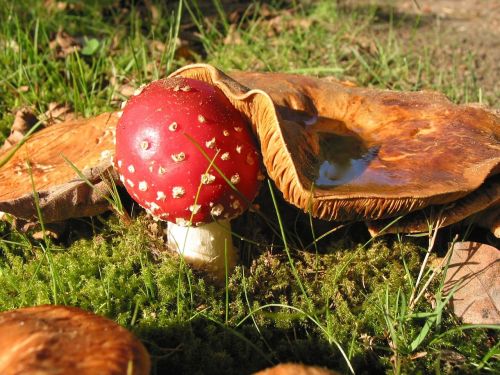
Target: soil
[(465, 30)]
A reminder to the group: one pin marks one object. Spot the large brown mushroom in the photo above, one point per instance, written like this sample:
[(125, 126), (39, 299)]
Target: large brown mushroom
[(349, 153), (346, 153), (66, 340)]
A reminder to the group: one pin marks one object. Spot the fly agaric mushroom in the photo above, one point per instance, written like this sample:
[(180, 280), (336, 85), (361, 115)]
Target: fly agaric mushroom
[(184, 154), (67, 340)]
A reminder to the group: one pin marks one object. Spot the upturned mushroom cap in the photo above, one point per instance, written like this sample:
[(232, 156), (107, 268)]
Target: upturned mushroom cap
[(66, 340), (349, 153), (87, 143), (177, 144)]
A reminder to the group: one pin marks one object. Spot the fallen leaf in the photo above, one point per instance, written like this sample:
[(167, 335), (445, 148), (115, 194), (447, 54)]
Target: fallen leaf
[(52, 5), (474, 271), (233, 36), (127, 89), (57, 113), (24, 120), (64, 44), (9, 44)]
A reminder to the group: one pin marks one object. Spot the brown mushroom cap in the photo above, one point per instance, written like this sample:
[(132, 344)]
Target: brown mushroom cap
[(295, 369), (67, 340), (349, 153), (87, 143)]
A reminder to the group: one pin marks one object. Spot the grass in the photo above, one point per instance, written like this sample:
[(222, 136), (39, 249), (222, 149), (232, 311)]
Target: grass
[(347, 302)]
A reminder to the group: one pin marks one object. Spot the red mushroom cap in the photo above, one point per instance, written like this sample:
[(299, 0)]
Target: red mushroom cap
[(158, 141)]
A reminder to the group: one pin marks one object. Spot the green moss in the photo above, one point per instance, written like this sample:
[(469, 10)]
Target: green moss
[(182, 318)]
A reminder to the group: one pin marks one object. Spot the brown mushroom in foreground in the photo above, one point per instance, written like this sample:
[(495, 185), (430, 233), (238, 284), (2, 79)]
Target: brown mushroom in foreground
[(67, 340), (295, 369)]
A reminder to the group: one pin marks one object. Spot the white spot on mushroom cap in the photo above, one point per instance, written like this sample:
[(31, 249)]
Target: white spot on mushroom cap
[(238, 149), (235, 178), (178, 191), (124, 103), (144, 145), (119, 163), (119, 114), (154, 206), (201, 119), (182, 222), (160, 196), (186, 88), (178, 157), (161, 170), (131, 169), (173, 126), (207, 178), (225, 156), (210, 143), (177, 88), (217, 210), (130, 183), (122, 179), (235, 204), (238, 129), (143, 186), (225, 132), (105, 154), (250, 159), (195, 208)]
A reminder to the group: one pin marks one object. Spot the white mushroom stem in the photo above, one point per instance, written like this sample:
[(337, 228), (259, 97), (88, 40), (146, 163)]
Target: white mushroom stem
[(206, 247)]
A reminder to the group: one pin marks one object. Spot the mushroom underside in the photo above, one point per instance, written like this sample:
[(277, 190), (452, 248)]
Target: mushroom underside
[(337, 151)]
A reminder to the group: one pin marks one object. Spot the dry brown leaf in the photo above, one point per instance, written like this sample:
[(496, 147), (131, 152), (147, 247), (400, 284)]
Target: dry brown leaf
[(57, 113), (55, 6), (233, 36), (24, 120), (9, 44), (127, 89), (64, 44), (474, 271)]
